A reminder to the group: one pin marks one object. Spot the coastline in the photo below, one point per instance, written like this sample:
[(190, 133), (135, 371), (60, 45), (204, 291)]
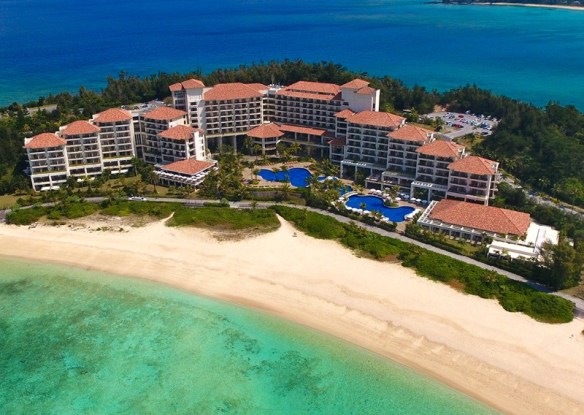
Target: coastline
[(539, 6), (505, 360)]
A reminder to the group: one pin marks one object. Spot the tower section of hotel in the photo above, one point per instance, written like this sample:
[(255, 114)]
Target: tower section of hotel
[(151, 124), (223, 111), (473, 179), (313, 105), (116, 139), (181, 142), (432, 171), (47, 161), (367, 149), (83, 150)]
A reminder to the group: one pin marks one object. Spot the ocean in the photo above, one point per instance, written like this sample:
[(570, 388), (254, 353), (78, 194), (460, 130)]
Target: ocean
[(531, 54), (83, 342)]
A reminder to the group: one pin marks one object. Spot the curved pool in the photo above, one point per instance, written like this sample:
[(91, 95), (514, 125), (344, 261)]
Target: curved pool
[(297, 176), (376, 203)]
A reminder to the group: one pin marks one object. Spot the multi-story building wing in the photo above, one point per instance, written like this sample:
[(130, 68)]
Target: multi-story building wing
[(188, 96), (181, 142), (151, 124), (367, 143), (432, 168), (47, 161), (116, 139), (83, 149), (473, 179), (231, 110)]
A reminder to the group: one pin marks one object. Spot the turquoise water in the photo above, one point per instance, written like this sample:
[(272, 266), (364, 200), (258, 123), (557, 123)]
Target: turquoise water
[(526, 53), (374, 203), (79, 342)]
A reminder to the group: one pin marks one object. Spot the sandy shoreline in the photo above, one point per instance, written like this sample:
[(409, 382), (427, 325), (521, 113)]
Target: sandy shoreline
[(540, 6), (507, 360)]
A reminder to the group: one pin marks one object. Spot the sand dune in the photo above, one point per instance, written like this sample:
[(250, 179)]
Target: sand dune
[(507, 360)]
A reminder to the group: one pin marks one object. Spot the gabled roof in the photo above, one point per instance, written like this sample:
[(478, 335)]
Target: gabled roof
[(235, 90), (45, 140), (179, 132), (302, 130), (366, 90), (270, 130), (188, 166), (79, 128), (337, 141), (315, 87), (474, 165), (346, 113), (258, 87), (188, 84), (481, 217), (410, 133), (441, 148), (113, 115), (355, 84), (192, 84), (164, 114), (379, 119)]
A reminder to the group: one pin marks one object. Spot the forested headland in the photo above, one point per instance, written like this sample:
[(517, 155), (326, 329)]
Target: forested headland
[(542, 147)]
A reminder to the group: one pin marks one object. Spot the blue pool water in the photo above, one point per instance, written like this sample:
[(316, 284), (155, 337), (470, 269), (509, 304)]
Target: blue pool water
[(296, 176), (376, 203), (343, 189)]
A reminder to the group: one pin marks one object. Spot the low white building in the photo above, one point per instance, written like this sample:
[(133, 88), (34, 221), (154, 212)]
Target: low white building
[(189, 172), (513, 233)]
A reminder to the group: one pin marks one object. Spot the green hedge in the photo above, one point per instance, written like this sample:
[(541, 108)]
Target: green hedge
[(513, 296), (225, 218)]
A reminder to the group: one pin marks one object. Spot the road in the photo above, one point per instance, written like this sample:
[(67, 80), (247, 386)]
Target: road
[(579, 303)]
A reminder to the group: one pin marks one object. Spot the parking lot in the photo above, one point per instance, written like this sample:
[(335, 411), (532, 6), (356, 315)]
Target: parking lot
[(458, 124)]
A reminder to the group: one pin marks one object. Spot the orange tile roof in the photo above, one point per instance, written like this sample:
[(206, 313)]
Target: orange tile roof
[(175, 87), (337, 141), (164, 114), (410, 133), (192, 84), (45, 140), (309, 95), (441, 148), (265, 131), (302, 130), (474, 165), (79, 128), (258, 87), (481, 217), (188, 166), (366, 90), (355, 84), (378, 119), (346, 113), (235, 90), (113, 115), (314, 87), (179, 132)]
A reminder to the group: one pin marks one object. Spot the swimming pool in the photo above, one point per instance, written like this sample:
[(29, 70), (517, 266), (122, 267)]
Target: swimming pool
[(297, 176), (376, 203)]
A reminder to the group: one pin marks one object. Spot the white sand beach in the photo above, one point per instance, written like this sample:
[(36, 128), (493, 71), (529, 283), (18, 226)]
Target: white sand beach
[(540, 6), (507, 360)]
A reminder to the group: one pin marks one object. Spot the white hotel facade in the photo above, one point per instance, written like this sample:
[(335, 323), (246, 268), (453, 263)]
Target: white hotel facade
[(340, 122)]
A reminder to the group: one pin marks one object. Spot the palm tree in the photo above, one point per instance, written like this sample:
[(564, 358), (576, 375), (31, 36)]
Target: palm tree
[(285, 191), (255, 172)]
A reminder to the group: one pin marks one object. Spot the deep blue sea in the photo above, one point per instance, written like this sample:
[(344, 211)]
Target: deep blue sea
[(535, 55)]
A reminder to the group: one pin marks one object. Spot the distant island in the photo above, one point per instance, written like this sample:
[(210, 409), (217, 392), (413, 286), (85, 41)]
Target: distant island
[(562, 4)]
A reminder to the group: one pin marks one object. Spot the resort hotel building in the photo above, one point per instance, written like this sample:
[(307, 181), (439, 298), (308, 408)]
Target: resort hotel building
[(339, 122)]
